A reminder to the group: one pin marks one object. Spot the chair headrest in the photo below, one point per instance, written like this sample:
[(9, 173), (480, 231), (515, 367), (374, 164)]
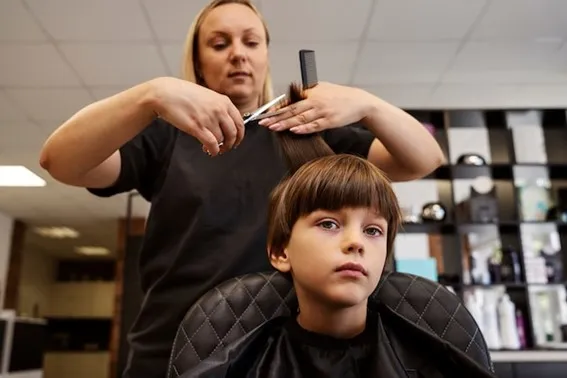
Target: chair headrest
[(236, 307)]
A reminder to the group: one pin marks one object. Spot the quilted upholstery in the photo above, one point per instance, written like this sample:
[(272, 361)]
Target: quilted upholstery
[(237, 306)]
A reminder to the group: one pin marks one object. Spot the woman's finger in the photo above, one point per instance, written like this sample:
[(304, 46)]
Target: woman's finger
[(287, 112), (209, 141), (314, 126), (228, 131), (238, 122), (298, 120)]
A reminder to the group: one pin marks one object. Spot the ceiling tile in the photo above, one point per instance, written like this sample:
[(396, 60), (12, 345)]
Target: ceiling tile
[(114, 64), (50, 104), (504, 77), (504, 56), (86, 20), (9, 110), (17, 135), (16, 24), (174, 55), (316, 20), (403, 63), (34, 65), (526, 19), (410, 96), (335, 61), (418, 20), (172, 22)]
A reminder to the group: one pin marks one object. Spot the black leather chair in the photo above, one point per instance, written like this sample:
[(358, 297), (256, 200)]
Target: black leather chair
[(236, 307)]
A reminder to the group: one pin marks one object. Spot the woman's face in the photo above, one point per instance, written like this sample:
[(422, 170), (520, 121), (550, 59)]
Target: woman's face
[(233, 54)]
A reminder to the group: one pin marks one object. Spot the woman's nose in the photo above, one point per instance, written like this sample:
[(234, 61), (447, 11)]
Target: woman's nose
[(238, 52)]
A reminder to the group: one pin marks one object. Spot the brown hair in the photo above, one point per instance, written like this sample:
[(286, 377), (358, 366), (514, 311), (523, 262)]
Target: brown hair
[(299, 149), (191, 49), (331, 183)]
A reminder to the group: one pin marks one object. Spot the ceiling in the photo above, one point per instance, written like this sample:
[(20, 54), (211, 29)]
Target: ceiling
[(57, 56)]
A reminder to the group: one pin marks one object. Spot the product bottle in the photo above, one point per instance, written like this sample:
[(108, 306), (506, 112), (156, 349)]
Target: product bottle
[(507, 319), (520, 325), (491, 330), (510, 266)]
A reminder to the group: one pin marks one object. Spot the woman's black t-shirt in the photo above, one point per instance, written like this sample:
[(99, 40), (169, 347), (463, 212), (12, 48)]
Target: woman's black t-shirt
[(207, 222)]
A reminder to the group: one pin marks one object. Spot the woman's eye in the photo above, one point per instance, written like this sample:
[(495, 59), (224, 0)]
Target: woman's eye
[(328, 225), (252, 44), (374, 231), (219, 46)]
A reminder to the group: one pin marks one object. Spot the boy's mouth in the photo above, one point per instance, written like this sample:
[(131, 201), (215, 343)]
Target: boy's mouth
[(352, 267)]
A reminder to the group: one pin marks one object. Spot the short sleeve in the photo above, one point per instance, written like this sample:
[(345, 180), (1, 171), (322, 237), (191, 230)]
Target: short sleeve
[(353, 139), (144, 160)]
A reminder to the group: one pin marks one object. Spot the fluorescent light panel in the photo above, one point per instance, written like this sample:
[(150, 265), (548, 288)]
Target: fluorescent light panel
[(57, 232), (92, 251), (19, 176)]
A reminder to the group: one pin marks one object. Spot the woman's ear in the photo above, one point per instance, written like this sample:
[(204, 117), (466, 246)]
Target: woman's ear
[(279, 259)]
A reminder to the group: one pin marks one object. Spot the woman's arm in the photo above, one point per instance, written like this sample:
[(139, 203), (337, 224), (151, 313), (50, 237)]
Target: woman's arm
[(403, 147), (84, 150)]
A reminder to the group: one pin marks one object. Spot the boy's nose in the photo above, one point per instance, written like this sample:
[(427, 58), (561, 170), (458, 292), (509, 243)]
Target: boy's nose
[(355, 248), (352, 243)]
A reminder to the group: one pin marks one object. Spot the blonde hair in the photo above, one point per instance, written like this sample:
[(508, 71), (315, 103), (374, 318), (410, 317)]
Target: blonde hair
[(191, 48)]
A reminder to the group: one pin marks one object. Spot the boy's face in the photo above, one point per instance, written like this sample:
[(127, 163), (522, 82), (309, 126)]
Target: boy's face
[(336, 257)]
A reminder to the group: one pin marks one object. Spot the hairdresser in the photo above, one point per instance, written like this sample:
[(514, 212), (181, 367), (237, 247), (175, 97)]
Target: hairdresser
[(207, 220)]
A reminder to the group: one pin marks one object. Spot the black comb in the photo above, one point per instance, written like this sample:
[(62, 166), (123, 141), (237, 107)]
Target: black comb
[(308, 68)]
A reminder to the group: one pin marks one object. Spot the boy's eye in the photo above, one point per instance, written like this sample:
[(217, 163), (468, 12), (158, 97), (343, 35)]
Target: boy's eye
[(374, 231), (328, 225)]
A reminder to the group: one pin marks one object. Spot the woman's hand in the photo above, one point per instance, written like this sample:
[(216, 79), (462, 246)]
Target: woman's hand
[(326, 106), (207, 115)]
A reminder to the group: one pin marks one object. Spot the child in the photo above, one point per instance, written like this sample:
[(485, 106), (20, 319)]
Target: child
[(331, 227)]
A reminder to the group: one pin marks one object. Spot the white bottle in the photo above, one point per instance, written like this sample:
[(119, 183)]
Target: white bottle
[(474, 308), (508, 328), (491, 330)]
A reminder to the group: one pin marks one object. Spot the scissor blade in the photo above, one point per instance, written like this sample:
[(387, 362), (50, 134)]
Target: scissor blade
[(270, 114), (263, 108)]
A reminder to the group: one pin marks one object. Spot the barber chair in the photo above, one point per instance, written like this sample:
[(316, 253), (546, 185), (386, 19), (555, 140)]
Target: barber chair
[(237, 306)]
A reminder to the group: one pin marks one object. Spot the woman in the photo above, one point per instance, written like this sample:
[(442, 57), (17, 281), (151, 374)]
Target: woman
[(207, 220)]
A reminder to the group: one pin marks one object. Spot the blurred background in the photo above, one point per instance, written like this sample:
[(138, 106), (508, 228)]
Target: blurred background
[(487, 77)]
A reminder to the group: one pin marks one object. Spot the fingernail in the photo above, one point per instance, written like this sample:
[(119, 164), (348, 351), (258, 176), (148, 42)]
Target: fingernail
[(275, 126), (264, 122), (295, 130)]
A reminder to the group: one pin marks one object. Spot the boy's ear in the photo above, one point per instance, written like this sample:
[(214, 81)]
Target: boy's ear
[(279, 259)]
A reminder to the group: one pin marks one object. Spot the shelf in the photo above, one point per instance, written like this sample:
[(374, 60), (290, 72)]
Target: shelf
[(507, 138), (507, 285), (504, 227), (529, 356), (495, 171), (428, 228)]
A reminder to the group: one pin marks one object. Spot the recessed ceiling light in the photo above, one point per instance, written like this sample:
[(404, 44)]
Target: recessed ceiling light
[(19, 176), (92, 251), (57, 232)]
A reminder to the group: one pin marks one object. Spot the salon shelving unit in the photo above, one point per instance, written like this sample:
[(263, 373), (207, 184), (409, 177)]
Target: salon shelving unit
[(504, 168)]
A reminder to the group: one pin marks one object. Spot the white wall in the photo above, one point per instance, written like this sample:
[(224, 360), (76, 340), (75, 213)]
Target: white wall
[(6, 229)]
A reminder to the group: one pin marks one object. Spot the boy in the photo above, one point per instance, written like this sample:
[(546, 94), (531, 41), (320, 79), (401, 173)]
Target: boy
[(331, 227)]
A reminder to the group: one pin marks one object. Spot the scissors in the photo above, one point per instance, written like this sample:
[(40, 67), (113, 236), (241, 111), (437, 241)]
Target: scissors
[(257, 114)]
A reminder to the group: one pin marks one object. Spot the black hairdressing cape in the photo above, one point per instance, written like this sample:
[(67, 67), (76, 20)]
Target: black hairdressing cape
[(391, 347)]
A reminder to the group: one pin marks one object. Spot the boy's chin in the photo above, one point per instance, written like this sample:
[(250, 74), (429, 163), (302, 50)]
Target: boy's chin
[(346, 297)]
